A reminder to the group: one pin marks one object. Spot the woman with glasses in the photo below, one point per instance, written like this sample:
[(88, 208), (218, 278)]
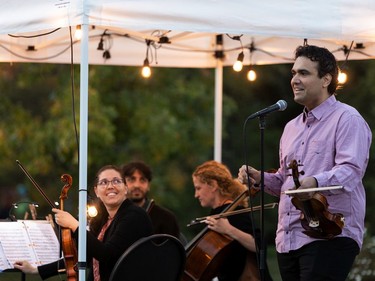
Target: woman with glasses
[(118, 225)]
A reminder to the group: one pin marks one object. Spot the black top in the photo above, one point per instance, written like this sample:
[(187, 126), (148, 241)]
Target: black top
[(129, 224), (163, 220), (234, 264)]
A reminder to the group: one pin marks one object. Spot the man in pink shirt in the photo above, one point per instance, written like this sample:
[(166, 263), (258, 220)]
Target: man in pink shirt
[(330, 142)]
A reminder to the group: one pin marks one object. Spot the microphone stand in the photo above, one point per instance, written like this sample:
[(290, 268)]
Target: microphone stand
[(262, 251)]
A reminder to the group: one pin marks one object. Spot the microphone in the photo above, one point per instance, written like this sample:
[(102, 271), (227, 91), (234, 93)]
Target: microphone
[(279, 106)]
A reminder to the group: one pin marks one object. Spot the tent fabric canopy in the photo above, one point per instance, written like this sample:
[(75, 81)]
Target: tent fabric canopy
[(268, 31)]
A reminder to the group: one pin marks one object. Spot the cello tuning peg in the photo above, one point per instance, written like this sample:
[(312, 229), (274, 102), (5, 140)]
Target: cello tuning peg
[(302, 173)]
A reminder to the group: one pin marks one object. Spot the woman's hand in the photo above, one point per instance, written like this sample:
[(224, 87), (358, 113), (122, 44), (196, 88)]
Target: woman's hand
[(65, 219), (221, 225), (25, 267)]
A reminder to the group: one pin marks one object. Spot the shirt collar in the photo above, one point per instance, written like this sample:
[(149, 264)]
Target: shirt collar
[(319, 111)]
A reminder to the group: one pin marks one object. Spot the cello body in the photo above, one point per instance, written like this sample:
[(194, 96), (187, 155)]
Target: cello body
[(204, 260)]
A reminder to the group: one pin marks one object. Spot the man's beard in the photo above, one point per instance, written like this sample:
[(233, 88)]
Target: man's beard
[(136, 200), (139, 197)]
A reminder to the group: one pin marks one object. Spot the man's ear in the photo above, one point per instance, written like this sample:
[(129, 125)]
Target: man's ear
[(327, 79)]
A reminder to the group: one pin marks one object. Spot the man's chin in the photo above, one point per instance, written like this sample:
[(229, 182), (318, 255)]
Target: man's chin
[(136, 199)]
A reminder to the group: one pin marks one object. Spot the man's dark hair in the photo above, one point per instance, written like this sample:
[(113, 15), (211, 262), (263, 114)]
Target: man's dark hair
[(326, 62), (130, 168)]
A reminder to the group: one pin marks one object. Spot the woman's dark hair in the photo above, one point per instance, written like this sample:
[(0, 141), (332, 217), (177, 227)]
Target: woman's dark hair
[(97, 222), (326, 63)]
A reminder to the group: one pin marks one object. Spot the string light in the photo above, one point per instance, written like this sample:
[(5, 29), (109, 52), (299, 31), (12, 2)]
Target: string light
[(106, 55), (342, 77), (105, 44), (251, 75), (237, 66), (78, 33), (101, 44), (146, 70), (92, 211)]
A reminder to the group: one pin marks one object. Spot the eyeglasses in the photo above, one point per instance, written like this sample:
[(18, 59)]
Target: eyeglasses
[(105, 183)]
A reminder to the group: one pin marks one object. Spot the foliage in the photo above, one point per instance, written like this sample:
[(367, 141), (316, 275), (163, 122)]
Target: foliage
[(363, 267)]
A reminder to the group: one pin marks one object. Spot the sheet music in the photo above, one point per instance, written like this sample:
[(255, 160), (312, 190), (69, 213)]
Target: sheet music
[(34, 241)]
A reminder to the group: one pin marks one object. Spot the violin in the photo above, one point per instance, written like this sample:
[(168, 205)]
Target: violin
[(68, 244), (315, 218)]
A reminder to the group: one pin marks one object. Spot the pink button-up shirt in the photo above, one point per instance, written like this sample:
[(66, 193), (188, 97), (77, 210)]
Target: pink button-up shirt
[(332, 142)]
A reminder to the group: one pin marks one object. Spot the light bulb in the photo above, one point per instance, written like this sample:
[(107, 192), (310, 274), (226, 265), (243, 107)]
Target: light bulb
[(78, 33), (251, 75), (342, 78), (237, 66), (146, 70), (92, 211)]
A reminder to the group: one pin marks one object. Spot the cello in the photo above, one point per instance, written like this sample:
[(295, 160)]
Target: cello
[(315, 218), (208, 250)]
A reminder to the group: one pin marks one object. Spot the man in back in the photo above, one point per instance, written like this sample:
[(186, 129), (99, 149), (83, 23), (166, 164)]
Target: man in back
[(138, 177)]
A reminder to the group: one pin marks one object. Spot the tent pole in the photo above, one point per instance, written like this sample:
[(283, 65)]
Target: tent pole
[(218, 110), (83, 136)]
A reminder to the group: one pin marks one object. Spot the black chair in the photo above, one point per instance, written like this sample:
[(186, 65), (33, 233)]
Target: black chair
[(159, 257)]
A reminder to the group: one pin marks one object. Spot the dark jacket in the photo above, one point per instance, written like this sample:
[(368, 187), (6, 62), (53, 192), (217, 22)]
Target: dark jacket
[(163, 221), (129, 224)]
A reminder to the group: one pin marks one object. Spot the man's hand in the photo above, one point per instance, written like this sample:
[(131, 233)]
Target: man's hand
[(308, 182), (247, 173)]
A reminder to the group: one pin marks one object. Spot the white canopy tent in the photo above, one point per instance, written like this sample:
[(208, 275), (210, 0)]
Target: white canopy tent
[(183, 32), (180, 34)]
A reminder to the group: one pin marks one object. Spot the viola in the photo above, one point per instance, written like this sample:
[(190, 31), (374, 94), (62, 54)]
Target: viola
[(206, 252), (315, 218), (68, 244)]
